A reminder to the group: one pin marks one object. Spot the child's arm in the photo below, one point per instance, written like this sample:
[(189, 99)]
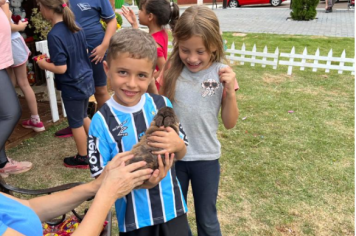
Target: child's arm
[(99, 52), (21, 26), (160, 64), (44, 65), (229, 109), (6, 8), (130, 16)]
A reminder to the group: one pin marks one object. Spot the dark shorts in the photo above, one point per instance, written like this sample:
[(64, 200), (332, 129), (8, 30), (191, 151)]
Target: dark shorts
[(176, 227), (99, 73), (76, 112)]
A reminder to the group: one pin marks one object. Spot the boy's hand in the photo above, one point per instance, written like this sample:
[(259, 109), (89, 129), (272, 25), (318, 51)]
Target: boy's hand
[(160, 173), (227, 77), (42, 64), (98, 53), (130, 16), (167, 139)]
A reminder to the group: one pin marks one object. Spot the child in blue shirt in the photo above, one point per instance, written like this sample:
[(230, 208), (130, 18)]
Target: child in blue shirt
[(73, 73), (158, 207), (88, 14)]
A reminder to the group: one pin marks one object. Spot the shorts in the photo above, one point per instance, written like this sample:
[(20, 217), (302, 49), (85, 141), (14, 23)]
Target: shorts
[(99, 73), (20, 51), (76, 112)]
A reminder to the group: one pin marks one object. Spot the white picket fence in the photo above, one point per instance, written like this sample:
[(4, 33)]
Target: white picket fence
[(252, 56), (273, 59), (316, 58), (42, 47)]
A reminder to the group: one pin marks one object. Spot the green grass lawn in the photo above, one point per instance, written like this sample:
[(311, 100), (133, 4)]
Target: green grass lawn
[(282, 173)]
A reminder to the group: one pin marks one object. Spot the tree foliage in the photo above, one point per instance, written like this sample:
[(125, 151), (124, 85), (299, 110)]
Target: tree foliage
[(304, 9)]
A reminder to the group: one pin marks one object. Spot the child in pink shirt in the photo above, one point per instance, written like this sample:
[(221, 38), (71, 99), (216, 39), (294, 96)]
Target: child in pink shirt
[(10, 110)]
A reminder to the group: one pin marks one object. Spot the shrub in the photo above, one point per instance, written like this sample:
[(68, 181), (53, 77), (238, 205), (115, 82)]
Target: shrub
[(304, 9)]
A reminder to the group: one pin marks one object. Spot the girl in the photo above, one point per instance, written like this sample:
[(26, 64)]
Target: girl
[(10, 110), (155, 14), (72, 68), (197, 82), (18, 71), (88, 14)]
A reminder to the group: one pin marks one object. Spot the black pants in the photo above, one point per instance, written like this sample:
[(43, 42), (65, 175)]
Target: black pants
[(204, 177), (10, 112), (175, 227)]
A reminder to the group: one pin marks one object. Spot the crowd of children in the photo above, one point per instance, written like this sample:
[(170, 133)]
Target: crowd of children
[(193, 81)]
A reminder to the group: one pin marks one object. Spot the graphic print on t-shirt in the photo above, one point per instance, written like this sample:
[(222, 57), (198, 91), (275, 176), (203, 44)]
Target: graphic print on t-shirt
[(84, 6), (209, 86)]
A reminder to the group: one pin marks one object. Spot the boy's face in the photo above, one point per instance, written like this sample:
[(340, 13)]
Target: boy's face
[(129, 78)]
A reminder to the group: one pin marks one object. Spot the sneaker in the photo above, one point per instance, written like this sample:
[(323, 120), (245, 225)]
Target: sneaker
[(38, 127), (76, 162), (15, 167), (64, 133)]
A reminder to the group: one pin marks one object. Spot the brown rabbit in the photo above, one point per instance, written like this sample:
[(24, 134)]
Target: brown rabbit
[(142, 151)]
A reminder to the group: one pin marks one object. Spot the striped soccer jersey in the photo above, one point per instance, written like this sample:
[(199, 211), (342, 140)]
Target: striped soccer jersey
[(115, 129)]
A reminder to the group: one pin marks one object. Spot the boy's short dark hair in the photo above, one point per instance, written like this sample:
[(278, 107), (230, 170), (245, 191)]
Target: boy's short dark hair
[(137, 43)]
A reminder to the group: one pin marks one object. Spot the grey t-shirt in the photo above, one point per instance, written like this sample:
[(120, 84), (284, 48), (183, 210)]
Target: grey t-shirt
[(197, 105)]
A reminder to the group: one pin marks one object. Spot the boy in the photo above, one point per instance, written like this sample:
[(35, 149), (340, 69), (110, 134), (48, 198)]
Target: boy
[(158, 207)]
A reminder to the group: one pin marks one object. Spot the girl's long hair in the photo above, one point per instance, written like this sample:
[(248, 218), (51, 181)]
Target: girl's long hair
[(166, 12), (195, 21), (57, 7)]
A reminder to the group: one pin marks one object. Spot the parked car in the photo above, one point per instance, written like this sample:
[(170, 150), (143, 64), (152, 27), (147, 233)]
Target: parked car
[(237, 3)]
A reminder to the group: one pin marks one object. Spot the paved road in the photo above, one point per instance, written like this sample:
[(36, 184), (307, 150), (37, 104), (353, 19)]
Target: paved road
[(266, 19)]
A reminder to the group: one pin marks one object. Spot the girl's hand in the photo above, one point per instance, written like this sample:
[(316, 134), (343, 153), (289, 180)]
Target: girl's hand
[(227, 77), (98, 53), (161, 172), (22, 25), (118, 179), (166, 139), (130, 16)]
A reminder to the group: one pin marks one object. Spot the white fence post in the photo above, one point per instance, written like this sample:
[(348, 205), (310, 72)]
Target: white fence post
[(264, 59), (253, 56), (342, 63), (243, 49), (328, 62), (275, 60), (291, 60), (305, 53), (317, 54), (42, 47)]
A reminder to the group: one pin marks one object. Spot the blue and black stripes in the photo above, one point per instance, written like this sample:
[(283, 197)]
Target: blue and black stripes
[(115, 129)]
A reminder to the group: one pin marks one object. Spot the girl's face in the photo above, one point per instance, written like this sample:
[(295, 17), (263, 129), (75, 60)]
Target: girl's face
[(143, 17), (44, 11), (194, 54)]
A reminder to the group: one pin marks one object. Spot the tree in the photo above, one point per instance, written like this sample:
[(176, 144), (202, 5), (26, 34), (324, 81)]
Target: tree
[(304, 9)]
